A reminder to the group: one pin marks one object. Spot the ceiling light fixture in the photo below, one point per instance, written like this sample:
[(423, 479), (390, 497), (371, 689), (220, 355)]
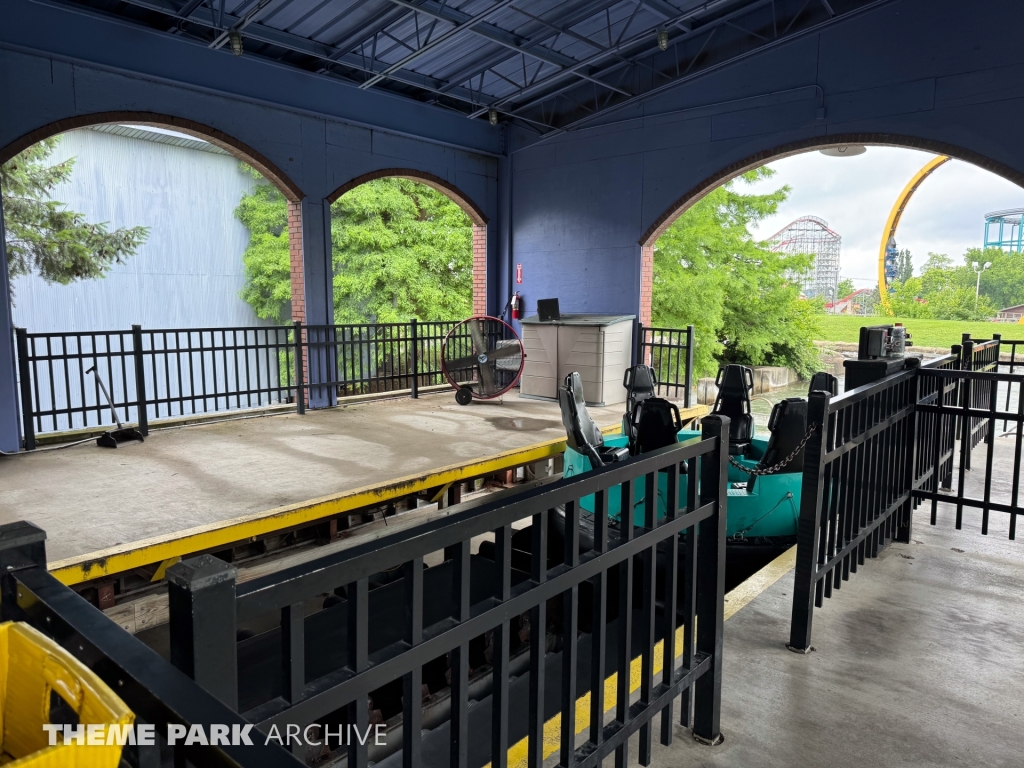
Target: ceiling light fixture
[(235, 38), (492, 116), (663, 39), (845, 150)]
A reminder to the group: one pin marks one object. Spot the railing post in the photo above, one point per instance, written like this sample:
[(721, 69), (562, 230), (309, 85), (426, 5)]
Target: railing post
[(25, 375), (140, 380), (967, 395), (809, 527), (415, 360), (22, 545), (638, 344), (905, 522), (707, 690), (689, 366), (201, 598), (300, 395)]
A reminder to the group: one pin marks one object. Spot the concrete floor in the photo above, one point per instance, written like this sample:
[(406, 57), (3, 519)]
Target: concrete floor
[(89, 498), (918, 663)]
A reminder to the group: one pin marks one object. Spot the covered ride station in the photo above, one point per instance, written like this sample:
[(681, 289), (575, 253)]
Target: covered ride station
[(528, 625)]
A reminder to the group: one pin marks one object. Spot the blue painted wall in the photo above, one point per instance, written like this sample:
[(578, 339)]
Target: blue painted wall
[(574, 209), (915, 69)]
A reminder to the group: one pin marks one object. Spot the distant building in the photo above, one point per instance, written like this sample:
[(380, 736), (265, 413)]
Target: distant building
[(1011, 314), (811, 235), (188, 274)]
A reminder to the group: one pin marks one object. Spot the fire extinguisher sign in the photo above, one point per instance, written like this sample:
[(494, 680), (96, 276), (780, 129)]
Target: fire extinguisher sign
[(519, 274)]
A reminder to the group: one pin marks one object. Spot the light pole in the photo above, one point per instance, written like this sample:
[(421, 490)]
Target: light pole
[(979, 268)]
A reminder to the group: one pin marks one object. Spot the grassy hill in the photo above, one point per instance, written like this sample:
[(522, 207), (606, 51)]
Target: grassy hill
[(925, 333)]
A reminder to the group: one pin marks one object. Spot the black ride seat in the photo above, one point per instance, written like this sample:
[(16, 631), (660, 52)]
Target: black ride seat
[(582, 434), (735, 385), (824, 382), (788, 425)]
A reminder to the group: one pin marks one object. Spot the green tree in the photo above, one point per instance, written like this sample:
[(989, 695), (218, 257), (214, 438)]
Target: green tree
[(845, 288), (742, 298), (904, 266), (43, 236), (400, 249), (945, 291), (1002, 283)]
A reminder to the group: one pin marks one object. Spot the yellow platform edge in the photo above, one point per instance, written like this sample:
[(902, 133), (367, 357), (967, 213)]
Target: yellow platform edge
[(191, 541)]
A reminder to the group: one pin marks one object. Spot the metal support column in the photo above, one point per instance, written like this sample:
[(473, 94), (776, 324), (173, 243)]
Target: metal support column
[(10, 437)]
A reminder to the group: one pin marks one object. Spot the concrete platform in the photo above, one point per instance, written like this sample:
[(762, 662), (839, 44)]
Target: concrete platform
[(918, 663), (93, 500)]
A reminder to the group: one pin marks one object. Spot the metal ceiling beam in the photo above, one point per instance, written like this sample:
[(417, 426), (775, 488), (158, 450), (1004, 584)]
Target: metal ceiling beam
[(562, 28), (462, 22), (666, 11), (757, 48), (599, 56), (298, 44), (478, 26)]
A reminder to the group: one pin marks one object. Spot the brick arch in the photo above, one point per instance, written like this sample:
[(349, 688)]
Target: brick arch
[(218, 138), (471, 209), (680, 206)]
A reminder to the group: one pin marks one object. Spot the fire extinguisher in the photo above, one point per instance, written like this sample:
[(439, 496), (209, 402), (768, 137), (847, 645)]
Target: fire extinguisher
[(517, 306)]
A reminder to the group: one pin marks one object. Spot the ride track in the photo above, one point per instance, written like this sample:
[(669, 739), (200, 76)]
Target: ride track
[(889, 234)]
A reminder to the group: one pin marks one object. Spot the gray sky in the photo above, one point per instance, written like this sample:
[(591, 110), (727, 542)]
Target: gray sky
[(855, 194)]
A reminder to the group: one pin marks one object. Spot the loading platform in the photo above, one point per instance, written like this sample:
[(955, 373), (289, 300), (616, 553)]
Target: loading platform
[(208, 486), (919, 665)]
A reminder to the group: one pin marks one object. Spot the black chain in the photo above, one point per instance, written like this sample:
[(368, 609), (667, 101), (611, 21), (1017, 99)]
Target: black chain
[(778, 467)]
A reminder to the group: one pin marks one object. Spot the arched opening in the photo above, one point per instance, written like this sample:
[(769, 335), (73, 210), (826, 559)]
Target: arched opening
[(179, 179), (775, 232), (126, 220), (464, 241)]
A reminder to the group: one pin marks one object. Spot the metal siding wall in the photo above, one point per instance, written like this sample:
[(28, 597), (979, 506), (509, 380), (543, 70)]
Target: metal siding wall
[(189, 272)]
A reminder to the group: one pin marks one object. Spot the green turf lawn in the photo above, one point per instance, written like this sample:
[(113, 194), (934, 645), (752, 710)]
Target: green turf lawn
[(925, 333)]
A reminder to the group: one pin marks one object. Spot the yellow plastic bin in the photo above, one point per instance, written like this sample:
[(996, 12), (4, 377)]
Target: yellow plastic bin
[(32, 666)]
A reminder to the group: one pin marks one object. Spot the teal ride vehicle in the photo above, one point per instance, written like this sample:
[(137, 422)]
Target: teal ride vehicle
[(765, 471)]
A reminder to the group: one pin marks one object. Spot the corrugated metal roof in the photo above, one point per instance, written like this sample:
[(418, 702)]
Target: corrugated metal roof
[(549, 65), (159, 136)]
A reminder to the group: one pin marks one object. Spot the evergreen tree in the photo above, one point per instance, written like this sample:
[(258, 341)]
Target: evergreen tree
[(904, 266), (43, 236)]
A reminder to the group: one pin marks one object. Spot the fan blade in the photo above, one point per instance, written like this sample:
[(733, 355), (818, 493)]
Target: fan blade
[(480, 347), (512, 350), (462, 363)]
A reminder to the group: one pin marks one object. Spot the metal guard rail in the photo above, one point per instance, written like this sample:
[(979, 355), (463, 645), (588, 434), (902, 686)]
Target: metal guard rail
[(151, 687), (363, 671)]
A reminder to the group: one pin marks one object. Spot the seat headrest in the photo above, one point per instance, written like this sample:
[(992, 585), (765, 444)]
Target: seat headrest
[(824, 382), (735, 385), (640, 379), (788, 426)]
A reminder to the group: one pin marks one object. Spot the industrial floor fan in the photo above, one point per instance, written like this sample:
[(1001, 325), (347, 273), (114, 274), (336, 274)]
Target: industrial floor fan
[(482, 358)]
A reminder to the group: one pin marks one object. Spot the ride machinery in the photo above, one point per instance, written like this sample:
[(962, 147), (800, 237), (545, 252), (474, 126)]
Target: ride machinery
[(765, 471), (888, 252)]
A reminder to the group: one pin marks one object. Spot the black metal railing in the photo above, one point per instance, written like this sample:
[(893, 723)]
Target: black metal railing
[(567, 611), (670, 352), (158, 693), (972, 491), (150, 374), (883, 449), (153, 374)]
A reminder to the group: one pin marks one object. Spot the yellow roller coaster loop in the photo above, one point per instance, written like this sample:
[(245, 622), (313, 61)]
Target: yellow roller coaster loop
[(895, 214)]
